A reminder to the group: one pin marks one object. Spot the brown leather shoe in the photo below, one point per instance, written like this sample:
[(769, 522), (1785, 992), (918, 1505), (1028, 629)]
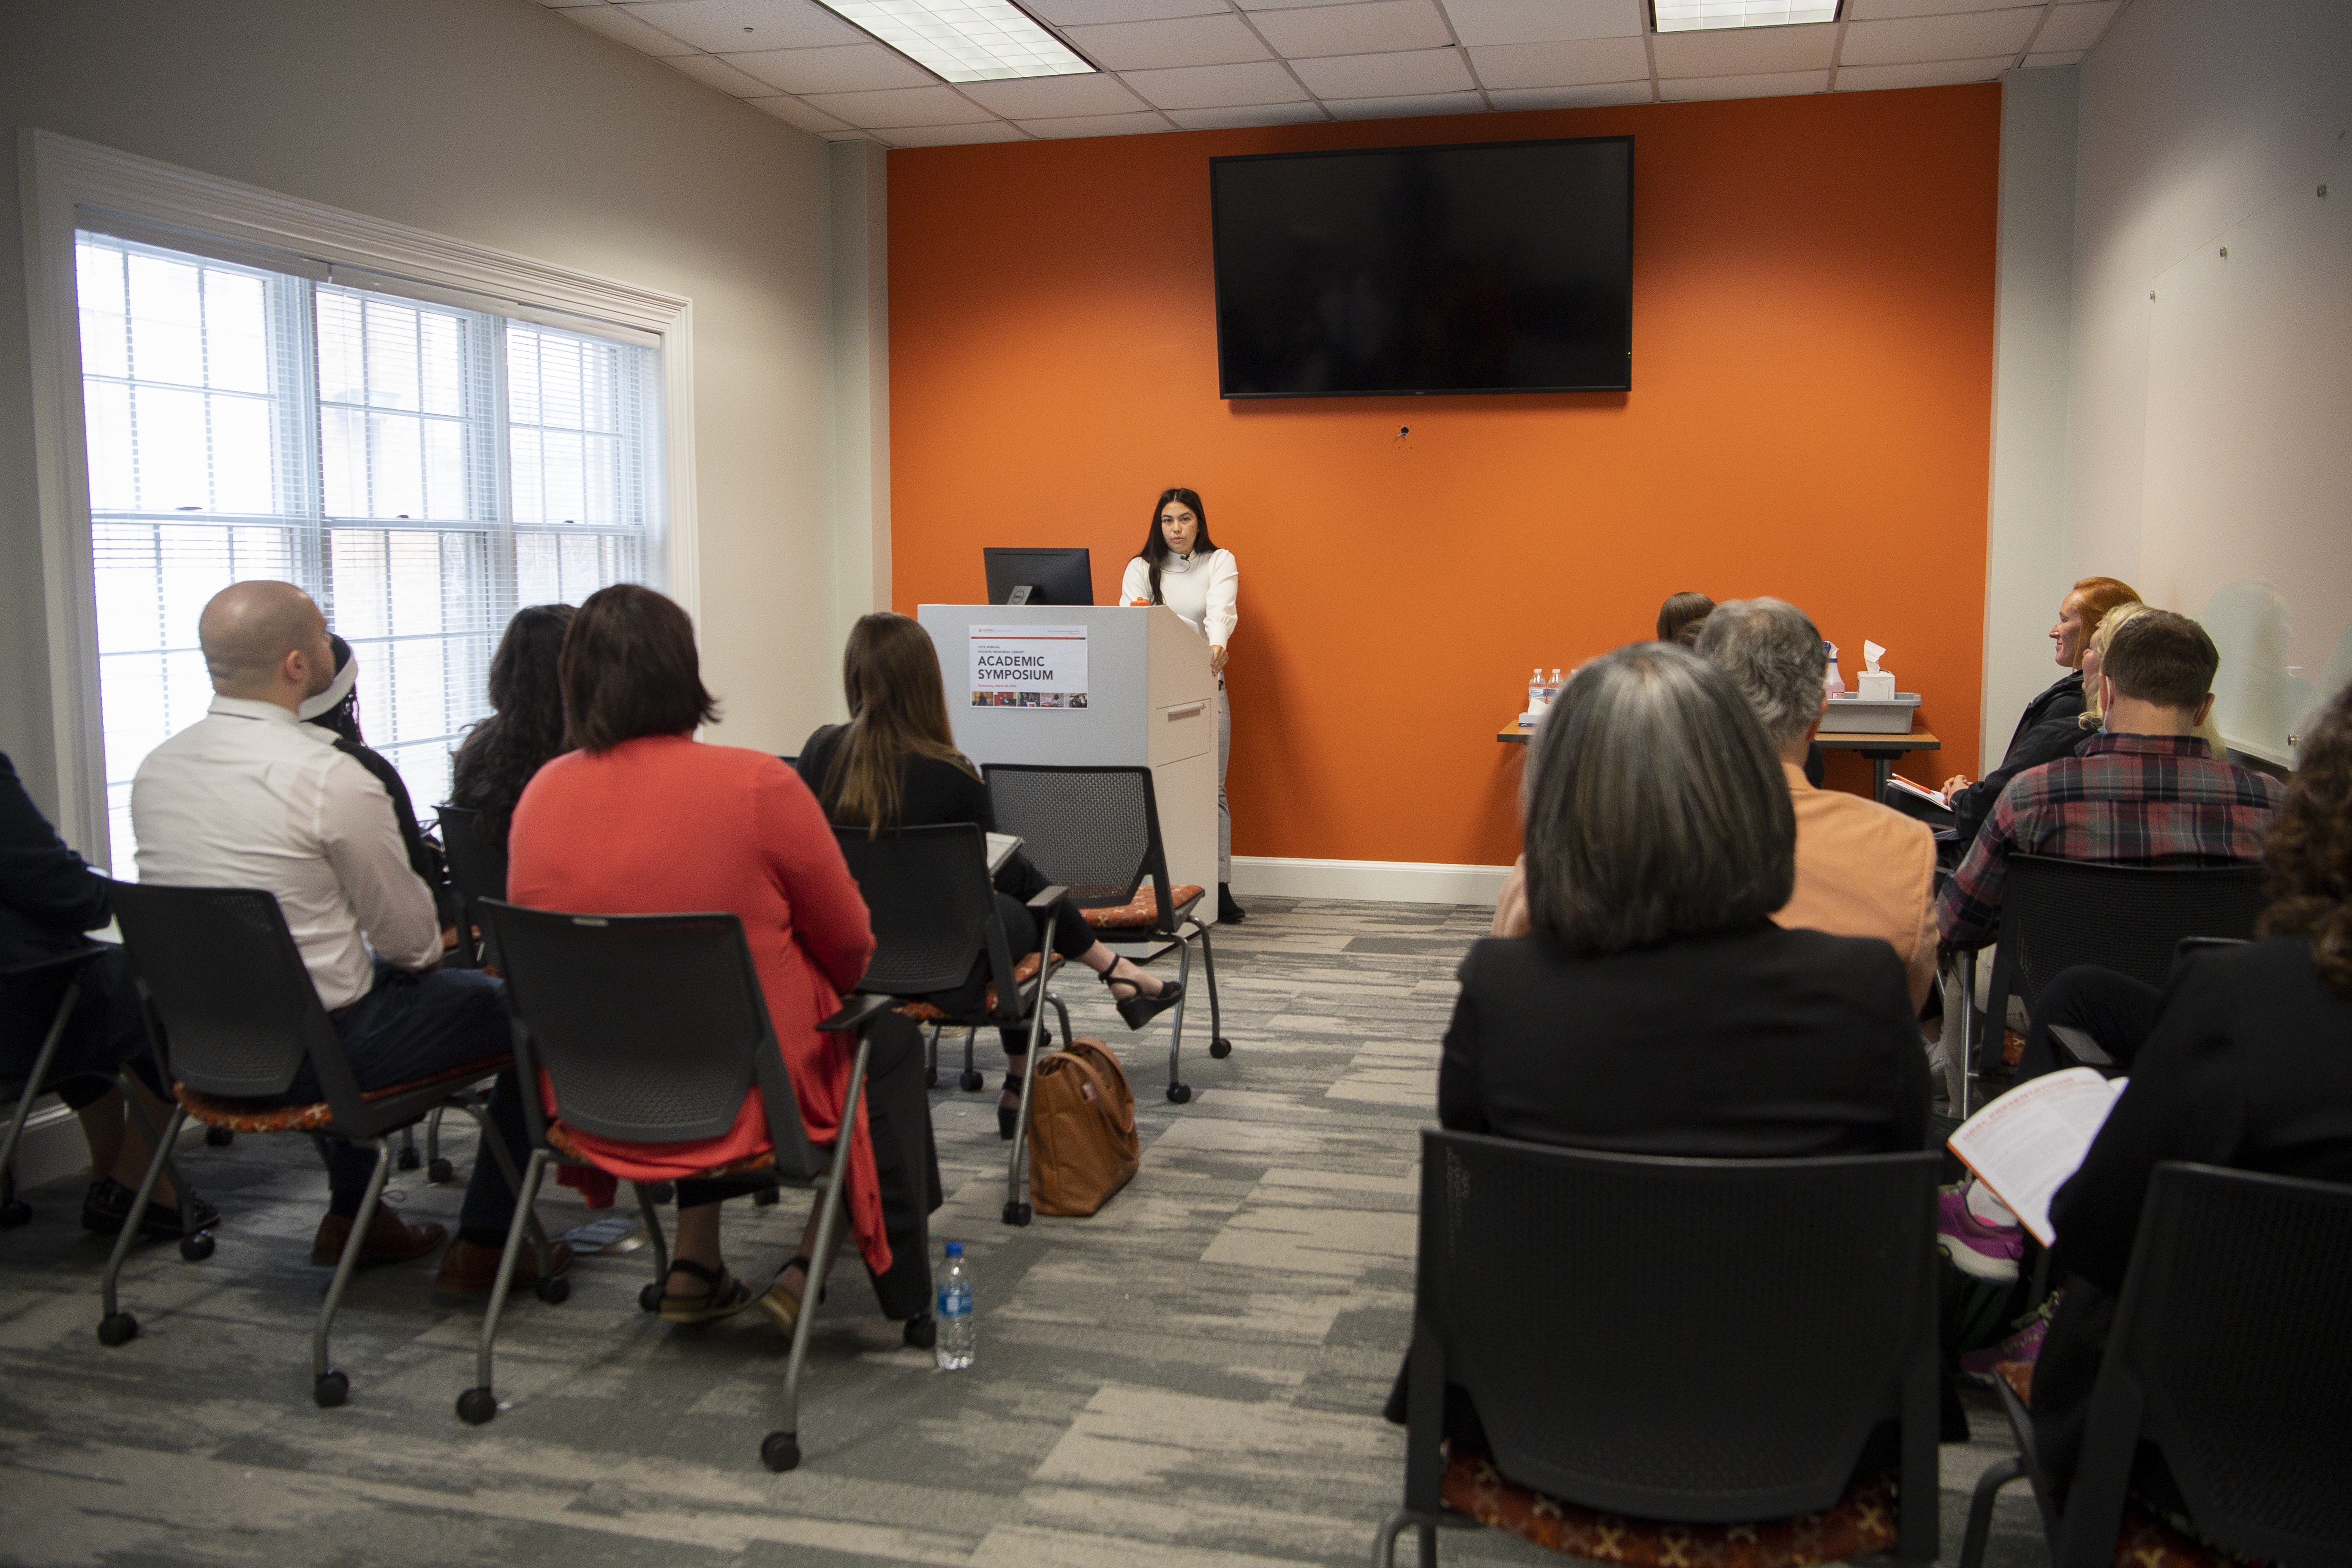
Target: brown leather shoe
[(390, 1240), (471, 1270)]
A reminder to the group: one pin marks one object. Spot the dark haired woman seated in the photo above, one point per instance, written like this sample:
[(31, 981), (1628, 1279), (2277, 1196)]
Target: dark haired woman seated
[(1654, 1008), (894, 765), (525, 728)]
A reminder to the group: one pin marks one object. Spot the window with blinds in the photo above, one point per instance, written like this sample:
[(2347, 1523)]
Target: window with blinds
[(421, 470)]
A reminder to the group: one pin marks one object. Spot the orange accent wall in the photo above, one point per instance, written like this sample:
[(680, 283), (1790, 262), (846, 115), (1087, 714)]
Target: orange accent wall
[(1810, 417)]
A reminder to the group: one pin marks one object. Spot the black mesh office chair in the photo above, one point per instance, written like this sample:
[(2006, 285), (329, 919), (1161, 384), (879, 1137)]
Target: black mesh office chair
[(478, 870), (2057, 913), (928, 893), (222, 974), (2229, 1354), (22, 1093), (1096, 830), (1622, 1325), (651, 1029)]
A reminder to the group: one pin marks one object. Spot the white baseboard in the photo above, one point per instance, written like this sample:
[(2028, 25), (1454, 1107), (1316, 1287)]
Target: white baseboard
[(1371, 881), (51, 1146)]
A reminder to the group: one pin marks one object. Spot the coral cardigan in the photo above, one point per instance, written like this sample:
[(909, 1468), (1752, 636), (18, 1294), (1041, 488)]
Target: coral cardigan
[(663, 825)]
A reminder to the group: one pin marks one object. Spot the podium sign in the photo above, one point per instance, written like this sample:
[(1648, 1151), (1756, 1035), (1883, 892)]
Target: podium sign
[(1028, 666)]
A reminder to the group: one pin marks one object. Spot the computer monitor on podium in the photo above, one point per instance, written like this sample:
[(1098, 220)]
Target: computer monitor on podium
[(1038, 576)]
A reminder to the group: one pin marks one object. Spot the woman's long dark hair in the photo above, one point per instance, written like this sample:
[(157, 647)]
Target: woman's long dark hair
[(2309, 850), (1154, 554), (898, 710), (500, 753)]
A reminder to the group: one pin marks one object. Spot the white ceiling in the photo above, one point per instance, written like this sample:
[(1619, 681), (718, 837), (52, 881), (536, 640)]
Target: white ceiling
[(1195, 65)]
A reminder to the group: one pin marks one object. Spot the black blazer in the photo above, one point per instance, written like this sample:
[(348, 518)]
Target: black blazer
[(1760, 1043), (49, 896), (2046, 732)]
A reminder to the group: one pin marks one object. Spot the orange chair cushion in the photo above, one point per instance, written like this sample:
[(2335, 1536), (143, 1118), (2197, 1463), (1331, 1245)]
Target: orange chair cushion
[(1142, 912), (1860, 1521), (1023, 972), (244, 1116)]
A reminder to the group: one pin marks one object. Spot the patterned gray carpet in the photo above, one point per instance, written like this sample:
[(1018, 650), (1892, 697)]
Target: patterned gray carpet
[(1192, 1376)]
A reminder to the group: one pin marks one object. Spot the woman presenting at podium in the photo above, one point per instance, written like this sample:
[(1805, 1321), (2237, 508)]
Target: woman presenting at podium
[(1181, 568)]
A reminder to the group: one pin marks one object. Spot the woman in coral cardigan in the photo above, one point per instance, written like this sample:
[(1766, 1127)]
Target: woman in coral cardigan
[(641, 819)]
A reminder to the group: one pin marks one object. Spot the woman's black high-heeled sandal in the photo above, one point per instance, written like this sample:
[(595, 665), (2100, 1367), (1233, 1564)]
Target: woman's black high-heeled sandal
[(1142, 1008), (1008, 1117)]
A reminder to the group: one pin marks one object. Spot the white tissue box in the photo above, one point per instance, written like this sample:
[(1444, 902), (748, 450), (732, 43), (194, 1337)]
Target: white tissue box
[(1874, 688)]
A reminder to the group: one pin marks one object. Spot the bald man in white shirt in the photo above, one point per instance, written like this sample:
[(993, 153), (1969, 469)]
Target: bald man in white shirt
[(249, 797)]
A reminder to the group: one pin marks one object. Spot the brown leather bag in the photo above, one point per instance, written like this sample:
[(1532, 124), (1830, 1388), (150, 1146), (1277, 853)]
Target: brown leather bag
[(1082, 1141)]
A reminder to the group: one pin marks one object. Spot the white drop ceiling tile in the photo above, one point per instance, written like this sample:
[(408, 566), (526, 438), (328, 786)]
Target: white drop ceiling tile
[(1394, 75), (1140, 124), (1768, 84), (842, 68), (1215, 87), (1544, 21), (712, 72), (733, 26), (1561, 64), (1156, 46), (792, 111), (2072, 58), (616, 23), (1406, 107), (1971, 36), (2075, 27), (1750, 51), (950, 135), (899, 107), (1939, 73), (1245, 116), (1881, 10), (1355, 29), (1590, 96), (1051, 96), (1087, 13)]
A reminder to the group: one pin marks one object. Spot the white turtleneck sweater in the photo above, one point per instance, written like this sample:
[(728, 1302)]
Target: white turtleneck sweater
[(1201, 588)]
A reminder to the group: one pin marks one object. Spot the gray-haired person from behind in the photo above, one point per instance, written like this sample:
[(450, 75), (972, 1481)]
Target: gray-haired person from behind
[(1863, 869)]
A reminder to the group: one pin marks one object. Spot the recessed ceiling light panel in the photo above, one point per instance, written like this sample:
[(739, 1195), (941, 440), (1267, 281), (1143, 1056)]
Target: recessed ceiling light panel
[(1696, 16), (965, 41)]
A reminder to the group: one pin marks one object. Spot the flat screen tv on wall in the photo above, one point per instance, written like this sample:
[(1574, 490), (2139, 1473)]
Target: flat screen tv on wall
[(1496, 267)]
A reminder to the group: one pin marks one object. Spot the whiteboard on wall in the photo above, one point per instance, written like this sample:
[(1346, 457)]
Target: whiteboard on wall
[(2247, 521)]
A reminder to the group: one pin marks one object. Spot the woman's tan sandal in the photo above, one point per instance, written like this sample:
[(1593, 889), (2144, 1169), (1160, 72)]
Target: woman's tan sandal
[(723, 1296), (783, 1308)]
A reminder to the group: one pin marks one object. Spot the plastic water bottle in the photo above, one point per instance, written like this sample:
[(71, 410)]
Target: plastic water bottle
[(1552, 691), (955, 1312), (1536, 692), (1833, 682)]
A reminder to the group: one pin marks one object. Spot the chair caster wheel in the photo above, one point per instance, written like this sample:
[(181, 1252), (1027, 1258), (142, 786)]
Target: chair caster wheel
[(332, 1389), (554, 1290), (765, 1198), (650, 1298), (477, 1406), (970, 1082), (931, 1078), (1179, 1094), (922, 1332), (780, 1451), (1220, 1047), (218, 1137), (659, 1193), (408, 1160), (197, 1247), (1017, 1213), (439, 1171), (117, 1329), (15, 1213)]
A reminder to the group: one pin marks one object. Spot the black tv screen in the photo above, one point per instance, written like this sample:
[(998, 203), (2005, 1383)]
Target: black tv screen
[(1496, 267)]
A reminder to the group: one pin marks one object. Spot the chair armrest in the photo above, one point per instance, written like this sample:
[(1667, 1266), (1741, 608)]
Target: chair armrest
[(1047, 896), (2081, 1046), (855, 1014), (78, 955)]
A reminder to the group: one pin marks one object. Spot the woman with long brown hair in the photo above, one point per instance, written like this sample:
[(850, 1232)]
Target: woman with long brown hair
[(894, 765)]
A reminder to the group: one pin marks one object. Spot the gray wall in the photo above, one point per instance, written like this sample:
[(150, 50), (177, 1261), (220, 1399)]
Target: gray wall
[(495, 122)]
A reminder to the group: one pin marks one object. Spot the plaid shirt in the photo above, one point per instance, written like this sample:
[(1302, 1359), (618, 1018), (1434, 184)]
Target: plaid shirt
[(2129, 800)]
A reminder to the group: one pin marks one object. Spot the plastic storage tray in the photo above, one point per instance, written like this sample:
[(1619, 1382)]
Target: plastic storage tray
[(1863, 716)]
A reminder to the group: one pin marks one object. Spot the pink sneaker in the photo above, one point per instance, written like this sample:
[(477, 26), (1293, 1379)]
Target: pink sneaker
[(1980, 1250), (2025, 1345)]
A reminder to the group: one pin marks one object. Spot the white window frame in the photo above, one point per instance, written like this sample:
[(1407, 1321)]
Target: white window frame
[(66, 180)]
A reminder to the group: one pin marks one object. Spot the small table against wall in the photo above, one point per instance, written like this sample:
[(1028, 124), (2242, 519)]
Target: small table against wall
[(1881, 750)]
